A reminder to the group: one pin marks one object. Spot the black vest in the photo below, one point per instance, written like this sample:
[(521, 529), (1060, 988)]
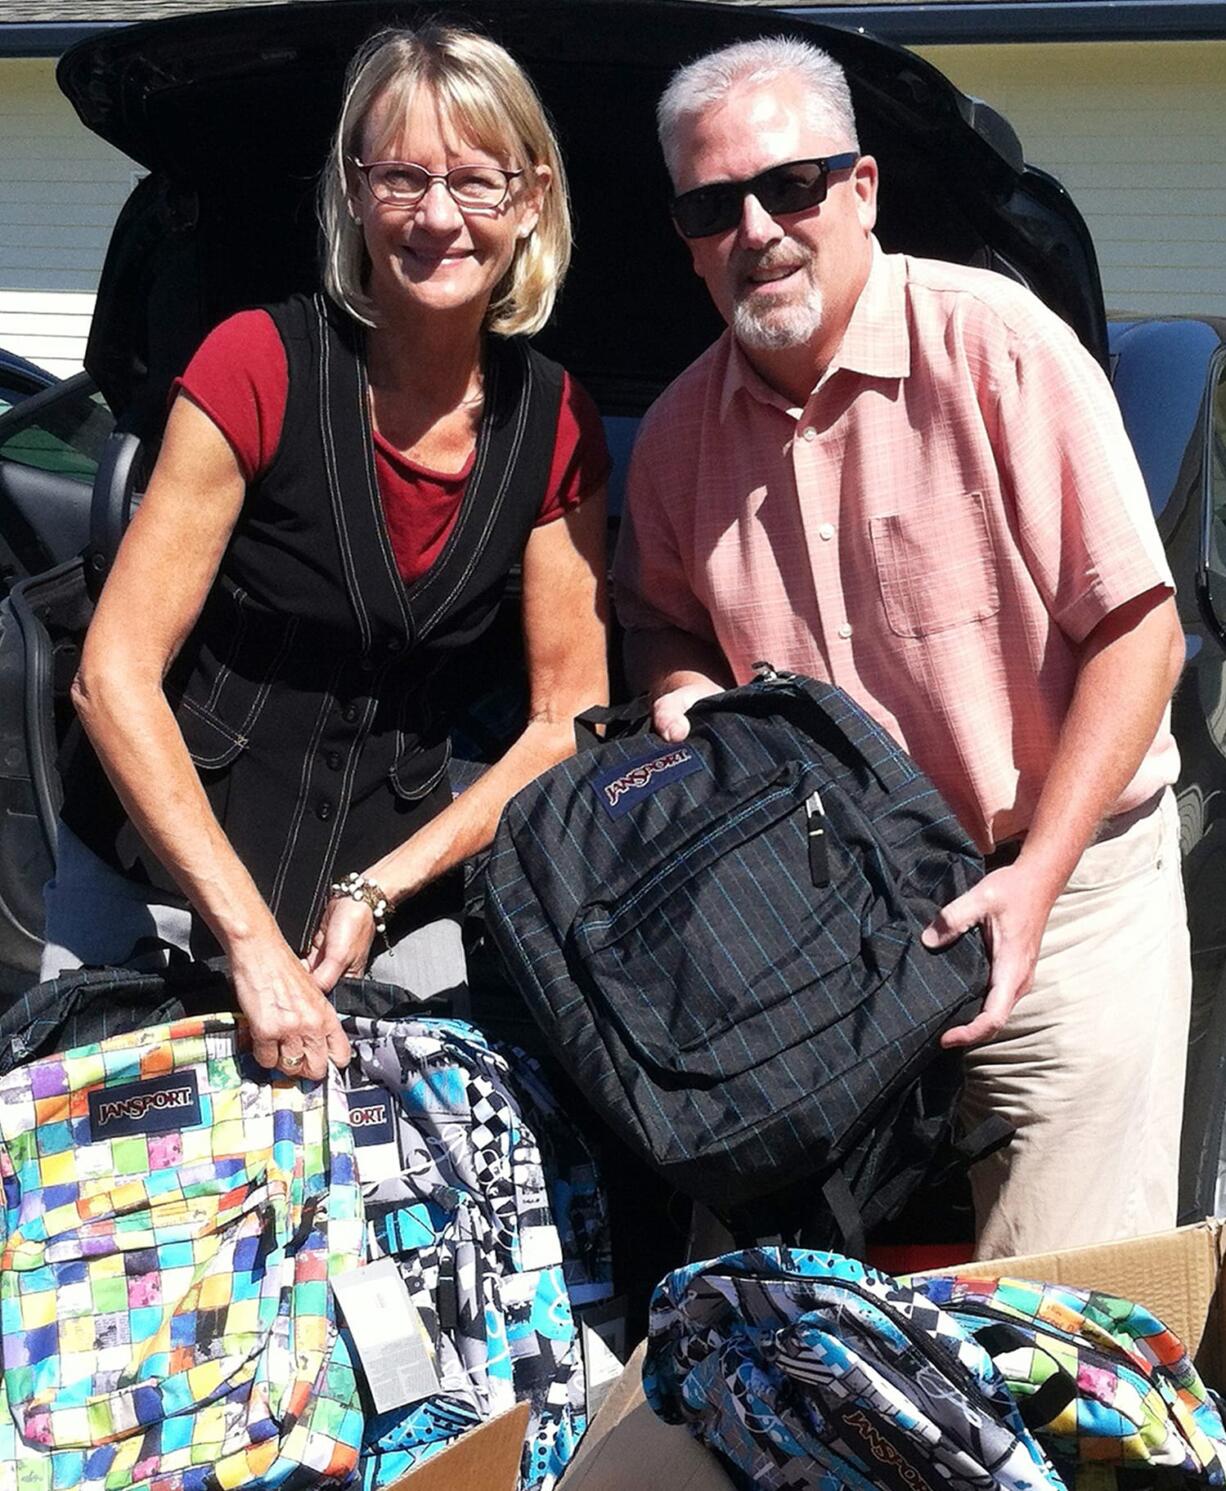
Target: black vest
[(312, 692)]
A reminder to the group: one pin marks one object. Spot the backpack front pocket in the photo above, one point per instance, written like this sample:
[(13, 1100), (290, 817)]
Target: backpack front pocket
[(725, 952)]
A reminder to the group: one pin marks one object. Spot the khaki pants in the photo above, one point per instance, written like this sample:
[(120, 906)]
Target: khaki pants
[(1090, 1067)]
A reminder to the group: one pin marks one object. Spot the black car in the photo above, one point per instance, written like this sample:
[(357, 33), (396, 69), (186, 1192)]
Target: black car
[(230, 114), (1169, 374), (19, 378), (51, 442)]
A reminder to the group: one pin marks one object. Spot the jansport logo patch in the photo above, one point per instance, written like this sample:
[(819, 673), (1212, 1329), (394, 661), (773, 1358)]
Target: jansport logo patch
[(152, 1107), (620, 787), (370, 1115), (894, 1468)]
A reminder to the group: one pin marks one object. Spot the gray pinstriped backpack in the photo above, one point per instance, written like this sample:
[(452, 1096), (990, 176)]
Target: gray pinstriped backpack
[(720, 940)]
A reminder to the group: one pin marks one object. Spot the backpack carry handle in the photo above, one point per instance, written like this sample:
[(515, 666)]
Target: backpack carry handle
[(1051, 1397), (631, 718), (824, 712)]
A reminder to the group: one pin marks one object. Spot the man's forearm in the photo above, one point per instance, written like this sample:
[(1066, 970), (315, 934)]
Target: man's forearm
[(1130, 665), (675, 669), (667, 658)]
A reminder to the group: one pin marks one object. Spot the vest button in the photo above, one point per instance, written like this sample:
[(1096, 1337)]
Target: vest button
[(395, 645), (333, 760), (366, 665), (350, 714), (323, 810)]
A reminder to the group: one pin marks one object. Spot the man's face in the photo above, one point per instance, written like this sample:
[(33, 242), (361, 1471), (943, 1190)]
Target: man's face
[(779, 282)]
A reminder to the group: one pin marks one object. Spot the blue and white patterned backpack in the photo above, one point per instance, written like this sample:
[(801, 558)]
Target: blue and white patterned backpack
[(455, 1192), (807, 1371)]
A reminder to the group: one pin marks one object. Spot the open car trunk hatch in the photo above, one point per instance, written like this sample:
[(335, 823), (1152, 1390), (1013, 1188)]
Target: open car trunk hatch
[(230, 112)]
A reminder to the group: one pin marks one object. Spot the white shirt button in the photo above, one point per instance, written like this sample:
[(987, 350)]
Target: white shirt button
[(826, 531), (845, 630), (809, 433)]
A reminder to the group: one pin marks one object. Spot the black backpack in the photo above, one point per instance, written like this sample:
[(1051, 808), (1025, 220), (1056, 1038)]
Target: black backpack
[(720, 940)]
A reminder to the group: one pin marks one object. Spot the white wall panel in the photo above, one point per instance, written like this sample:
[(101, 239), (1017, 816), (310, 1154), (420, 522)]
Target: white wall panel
[(1137, 132), (61, 189)]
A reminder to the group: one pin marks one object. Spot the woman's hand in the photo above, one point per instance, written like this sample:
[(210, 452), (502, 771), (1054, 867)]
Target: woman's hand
[(293, 1027), (342, 942)]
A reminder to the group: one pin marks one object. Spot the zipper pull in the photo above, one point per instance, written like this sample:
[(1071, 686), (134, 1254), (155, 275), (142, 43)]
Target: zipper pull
[(815, 828), (768, 673)]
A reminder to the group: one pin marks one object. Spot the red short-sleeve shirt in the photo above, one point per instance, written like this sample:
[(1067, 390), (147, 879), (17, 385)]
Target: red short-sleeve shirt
[(240, 378)]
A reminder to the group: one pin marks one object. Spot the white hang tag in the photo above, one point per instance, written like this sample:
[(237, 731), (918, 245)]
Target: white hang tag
[(602, 1331), (388, 1334)]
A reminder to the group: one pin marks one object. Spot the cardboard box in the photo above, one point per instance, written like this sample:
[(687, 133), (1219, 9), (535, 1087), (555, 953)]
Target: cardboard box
[(1178, 1275), (485, 1459), (627, 1448)]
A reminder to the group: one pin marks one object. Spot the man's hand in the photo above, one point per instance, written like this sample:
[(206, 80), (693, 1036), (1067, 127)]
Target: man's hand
[(677, 670), (669, 712), (293, 1027), (1012, 906), (1129, 664)]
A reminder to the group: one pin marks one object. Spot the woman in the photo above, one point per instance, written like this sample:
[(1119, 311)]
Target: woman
[(344, 483)]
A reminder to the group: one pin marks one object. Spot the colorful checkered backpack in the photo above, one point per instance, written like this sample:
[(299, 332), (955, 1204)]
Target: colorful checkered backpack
[(807, 1370), (455, 1193), (1129, 1398), (173, 1215)]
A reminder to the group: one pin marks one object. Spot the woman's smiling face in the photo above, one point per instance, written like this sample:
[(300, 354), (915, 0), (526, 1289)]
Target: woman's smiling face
[(436, 256)]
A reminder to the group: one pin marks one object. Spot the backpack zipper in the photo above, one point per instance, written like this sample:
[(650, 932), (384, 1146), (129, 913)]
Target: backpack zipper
[(815, 832)]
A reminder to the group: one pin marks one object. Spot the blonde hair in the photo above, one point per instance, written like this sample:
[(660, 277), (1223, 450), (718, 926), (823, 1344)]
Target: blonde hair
[(483, 92)]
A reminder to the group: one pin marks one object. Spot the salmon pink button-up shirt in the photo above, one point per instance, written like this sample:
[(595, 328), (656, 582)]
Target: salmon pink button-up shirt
[(953, 510)]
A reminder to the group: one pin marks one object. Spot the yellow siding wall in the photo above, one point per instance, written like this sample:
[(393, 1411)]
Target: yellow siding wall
[(1137, 132), (60, 191)]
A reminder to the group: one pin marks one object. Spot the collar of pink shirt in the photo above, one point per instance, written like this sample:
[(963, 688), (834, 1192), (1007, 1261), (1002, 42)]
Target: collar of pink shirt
[(875, 343)]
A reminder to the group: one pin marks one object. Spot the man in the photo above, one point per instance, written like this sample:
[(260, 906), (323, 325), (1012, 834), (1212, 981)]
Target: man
[(909, 479)]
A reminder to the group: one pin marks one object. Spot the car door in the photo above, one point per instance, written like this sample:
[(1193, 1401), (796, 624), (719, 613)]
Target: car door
[(1203, 815), (50, 446)]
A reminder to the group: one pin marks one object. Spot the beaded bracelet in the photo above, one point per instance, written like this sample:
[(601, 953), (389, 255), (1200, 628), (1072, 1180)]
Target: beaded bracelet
[(359, 888)]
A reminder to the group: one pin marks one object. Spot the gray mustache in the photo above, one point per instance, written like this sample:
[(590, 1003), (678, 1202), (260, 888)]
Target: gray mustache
[(770, 265)]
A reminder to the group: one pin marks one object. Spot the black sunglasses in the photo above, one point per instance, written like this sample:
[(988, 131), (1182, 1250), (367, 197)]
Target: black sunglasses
[(794, 186)]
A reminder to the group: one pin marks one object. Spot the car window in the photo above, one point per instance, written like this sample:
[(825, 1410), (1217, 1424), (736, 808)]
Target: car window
[(1158, 375), (63, 430), (14, 388), (1215, 496), (1217, 473)]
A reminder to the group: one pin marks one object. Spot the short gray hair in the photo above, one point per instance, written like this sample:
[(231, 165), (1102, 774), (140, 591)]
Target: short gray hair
[(708, 80)]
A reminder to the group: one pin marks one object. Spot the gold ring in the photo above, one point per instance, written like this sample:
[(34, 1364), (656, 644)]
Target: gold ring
[(292, 1062)]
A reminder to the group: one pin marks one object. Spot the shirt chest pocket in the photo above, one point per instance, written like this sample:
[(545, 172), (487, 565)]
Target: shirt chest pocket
[(936, 565)]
